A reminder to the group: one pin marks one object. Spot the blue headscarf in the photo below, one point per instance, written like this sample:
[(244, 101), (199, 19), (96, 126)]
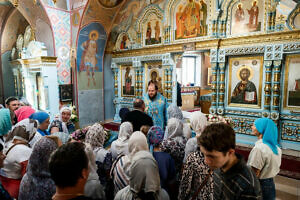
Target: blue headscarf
[(268, 129), (40, 116), (5, 121)]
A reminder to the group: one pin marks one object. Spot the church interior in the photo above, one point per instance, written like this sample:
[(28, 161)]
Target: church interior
[(99, 55)]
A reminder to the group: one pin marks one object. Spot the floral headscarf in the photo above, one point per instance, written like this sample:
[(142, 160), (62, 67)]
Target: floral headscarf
[(29, 128), (79, 134), (96, 136), (37, 182), (155, 136)]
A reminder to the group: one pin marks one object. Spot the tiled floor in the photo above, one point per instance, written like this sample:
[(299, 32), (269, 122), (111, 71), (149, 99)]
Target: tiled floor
[(287, 188)]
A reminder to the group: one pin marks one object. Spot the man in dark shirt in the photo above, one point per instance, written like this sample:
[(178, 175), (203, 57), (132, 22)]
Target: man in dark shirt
[(233, 179), (69, 170), (138, 117)]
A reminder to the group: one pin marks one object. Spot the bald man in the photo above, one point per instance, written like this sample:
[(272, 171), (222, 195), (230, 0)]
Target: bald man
[(137, 116)]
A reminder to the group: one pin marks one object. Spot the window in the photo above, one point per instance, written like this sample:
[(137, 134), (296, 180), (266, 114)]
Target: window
[(190, 72)]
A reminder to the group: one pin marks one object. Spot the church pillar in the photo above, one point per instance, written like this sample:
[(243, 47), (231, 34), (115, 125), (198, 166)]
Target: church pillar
[(214, 68)]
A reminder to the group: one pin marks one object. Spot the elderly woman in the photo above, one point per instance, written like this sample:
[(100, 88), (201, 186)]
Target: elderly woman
[(175, 112), (44, 120), (93, 188), (120, 146), (120, 169), (164, 161), (5, 123), (63, 123), (16, 161), (265, 157), (144, 179), (96, 136), (175, 142), (37, 183), (198, 122)]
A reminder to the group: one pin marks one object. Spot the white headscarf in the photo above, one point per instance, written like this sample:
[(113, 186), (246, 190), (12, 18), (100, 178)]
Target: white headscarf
[(175, 128), (137, 142), (64, 124), (198, 122), (144, 174), (30, 126), (92, 188), (120, 146)]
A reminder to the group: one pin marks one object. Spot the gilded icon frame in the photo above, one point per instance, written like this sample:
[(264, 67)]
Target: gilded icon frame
[(288, 79), (159, 69), (252, 99), (125, 91)]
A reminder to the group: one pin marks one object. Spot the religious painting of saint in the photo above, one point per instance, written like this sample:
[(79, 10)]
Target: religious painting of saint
[(247, 17), (128, 81), (123, 42), (191, 19), (155, 72), (90, 50), (245, 81), (292, 83), (152, 31)]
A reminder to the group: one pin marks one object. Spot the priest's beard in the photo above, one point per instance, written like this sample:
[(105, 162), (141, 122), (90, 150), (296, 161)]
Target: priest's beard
[(153, 97)]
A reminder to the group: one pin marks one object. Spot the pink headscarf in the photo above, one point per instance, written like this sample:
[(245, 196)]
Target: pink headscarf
[(24, 112)]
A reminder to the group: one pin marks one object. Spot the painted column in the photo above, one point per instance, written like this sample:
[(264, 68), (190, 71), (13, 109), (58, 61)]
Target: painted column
[(214, 68), (267, 88)]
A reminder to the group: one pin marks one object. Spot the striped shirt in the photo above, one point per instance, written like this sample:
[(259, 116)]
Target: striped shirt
[(239, 182), (120, 177)]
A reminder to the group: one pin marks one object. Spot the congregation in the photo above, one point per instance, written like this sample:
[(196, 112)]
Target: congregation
[(158, 155)]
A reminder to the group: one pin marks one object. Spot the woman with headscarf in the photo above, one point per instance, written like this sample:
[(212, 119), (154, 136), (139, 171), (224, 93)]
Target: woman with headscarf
[(265, 157), (164, 161), (44, 120), (96, 136), (37, 183), (120, 146), (93, 188), (16, 161), (120, 168), (5, 123), (31, 127), (63, 122), (79, 134), (24, 112), (175, 142), (198, 122), (175, 112), (144, 179), (194, 173)]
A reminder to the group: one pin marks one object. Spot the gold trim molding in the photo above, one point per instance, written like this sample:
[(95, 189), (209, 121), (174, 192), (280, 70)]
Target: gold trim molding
[(37, 60), (287, 36)]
